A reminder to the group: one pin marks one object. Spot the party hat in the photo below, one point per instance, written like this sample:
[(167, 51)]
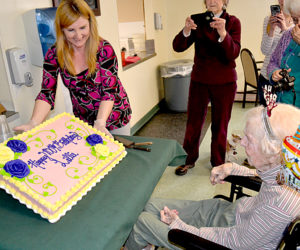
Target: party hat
[(289, 173)]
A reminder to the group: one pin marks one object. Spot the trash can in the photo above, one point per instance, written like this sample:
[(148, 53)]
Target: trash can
[(176, 78)]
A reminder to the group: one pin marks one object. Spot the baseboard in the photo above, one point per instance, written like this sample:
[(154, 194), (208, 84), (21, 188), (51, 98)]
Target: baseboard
[(145, 119), (250, 97)]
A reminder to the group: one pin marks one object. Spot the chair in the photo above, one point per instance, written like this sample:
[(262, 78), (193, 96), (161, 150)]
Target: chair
[(237, 185), (185, 240), (250, 73)]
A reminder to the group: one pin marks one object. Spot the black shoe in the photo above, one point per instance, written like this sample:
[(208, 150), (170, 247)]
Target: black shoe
[(183, 169)]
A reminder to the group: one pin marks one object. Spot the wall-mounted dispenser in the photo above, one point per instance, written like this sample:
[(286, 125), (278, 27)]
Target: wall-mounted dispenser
[(19, 67), (40, 33), (157, 21)]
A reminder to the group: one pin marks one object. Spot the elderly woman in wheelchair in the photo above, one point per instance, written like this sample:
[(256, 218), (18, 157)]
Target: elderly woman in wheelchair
[(256, 222)]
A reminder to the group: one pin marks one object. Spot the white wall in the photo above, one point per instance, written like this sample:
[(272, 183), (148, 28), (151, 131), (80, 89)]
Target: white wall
[(250, 12), (12, 35), (142, 82)]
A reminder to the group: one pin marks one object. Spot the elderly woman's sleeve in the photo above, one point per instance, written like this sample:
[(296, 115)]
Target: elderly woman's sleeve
[(232, 41), (252, 233), (181, 43), (49, 82), (108, 73), (276, 57), (242, 170)]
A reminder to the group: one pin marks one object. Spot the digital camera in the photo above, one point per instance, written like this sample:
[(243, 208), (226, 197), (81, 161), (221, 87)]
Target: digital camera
[(286, 83), (208, 16)]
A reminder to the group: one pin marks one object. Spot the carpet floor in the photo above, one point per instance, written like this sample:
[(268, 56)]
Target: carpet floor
[(170, 125)]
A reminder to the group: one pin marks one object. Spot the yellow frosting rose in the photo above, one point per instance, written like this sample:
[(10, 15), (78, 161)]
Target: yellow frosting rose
[(101, 149), (6, 154)]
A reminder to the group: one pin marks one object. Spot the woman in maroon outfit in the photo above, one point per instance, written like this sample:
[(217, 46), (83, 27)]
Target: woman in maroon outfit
[(217, 45)]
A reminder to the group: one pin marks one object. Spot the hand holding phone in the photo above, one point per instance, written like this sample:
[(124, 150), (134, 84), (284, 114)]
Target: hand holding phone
[(275, 9)]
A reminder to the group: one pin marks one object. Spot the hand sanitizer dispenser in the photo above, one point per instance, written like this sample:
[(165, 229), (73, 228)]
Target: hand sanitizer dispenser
[(19, 67), (40, 32)]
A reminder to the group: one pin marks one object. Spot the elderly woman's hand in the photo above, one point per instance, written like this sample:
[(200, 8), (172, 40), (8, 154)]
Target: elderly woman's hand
[(218, 174), (281, 21), (276, 76), (189, 25), (296, 34), (219, 25), (168, 216)]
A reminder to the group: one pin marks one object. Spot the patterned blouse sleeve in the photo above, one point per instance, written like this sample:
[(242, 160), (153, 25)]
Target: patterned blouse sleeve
[(50, 73), (110, 82), (275, 61)]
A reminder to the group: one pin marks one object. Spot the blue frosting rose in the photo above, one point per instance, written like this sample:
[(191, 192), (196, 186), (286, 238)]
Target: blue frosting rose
[(17, 146), (94, 139), (17, 168)]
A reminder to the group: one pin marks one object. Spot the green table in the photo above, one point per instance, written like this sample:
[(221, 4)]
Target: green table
[(104, 218)]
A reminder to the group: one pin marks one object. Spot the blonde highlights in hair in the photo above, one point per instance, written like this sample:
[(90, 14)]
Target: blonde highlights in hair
[(291, 6), (67, 13)]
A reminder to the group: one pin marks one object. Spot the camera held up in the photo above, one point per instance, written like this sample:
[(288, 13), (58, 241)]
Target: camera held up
[(208, 15), (284, 84)]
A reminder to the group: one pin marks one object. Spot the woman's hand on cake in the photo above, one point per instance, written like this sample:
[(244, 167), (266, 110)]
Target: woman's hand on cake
[(25, 127), (100, 125)]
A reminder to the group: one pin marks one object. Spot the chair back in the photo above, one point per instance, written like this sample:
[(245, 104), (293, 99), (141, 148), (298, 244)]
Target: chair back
[(249, 67)]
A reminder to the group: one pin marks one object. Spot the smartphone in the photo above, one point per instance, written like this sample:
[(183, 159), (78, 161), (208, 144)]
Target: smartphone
[(275, 9)]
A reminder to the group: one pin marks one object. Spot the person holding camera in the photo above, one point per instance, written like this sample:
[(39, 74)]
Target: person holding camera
[(216, 36), (284, 66), (273, 28)]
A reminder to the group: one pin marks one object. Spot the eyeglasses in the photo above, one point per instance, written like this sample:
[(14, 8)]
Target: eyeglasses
[(295, 20)]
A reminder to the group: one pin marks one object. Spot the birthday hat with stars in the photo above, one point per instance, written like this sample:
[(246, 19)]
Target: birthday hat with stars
[(289, 173)]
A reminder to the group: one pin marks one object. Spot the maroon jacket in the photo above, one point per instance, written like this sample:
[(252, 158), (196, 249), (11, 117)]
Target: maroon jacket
[(213, 61)]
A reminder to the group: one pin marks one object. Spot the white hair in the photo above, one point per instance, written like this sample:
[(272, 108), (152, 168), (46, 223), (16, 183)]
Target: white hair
[(284, 121), (225, 4), (291, 6)]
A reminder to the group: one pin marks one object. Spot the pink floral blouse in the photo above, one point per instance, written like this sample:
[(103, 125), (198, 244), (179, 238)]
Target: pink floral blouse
[(88, 92)]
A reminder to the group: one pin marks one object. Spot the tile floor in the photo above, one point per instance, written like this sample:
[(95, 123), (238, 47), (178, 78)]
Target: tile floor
[(195, 185)]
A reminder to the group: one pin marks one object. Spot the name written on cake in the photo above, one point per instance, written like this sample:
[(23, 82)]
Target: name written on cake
[(54, 148)]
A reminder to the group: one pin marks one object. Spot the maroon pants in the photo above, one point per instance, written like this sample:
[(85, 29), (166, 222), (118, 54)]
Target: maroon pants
[(221, 98)]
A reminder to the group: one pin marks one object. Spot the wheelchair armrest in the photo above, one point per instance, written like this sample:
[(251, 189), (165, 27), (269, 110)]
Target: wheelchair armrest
[(187, 240), (250, 182)]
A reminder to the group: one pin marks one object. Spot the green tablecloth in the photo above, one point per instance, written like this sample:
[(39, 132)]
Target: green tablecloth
[(104, 217)]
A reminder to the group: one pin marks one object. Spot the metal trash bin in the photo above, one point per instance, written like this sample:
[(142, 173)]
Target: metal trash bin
[(176, 77)]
